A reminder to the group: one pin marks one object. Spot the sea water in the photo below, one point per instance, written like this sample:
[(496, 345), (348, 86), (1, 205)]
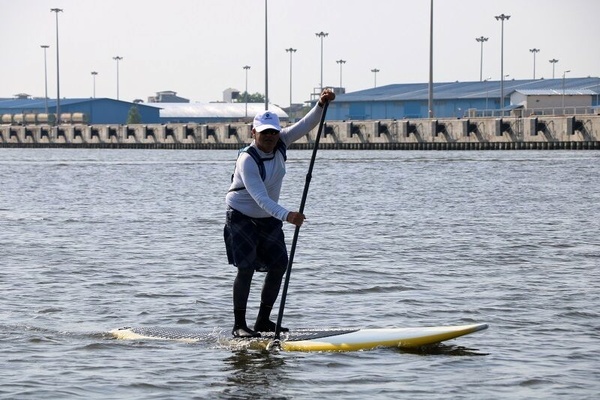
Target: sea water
[(93, 240)]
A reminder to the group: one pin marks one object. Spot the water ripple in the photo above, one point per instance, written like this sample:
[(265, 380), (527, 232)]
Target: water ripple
[(93, 240)]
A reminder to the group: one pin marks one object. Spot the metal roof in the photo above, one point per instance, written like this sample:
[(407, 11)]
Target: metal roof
[(39, 103), (470, 90), (213, 110)]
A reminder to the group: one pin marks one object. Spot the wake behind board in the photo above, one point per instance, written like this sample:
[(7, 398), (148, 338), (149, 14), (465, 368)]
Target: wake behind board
[(320, 340)]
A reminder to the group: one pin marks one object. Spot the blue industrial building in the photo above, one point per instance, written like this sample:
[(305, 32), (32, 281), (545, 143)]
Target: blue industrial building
[(398, 101), (450, 99), (91, 111)]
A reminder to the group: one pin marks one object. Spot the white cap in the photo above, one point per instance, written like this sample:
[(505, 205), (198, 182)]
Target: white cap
[(266, 120)]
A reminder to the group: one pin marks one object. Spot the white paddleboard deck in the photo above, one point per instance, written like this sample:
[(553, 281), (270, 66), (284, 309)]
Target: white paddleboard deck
[(318, 339)]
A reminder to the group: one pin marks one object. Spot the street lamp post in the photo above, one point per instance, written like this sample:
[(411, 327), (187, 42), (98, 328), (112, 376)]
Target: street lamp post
[(45, 47), (430, 85), (563, 89), (501, 18), (321, 35), (117, 59), (291, 51), (341, 62), (481, 40), (266, 60), (534, 51), (553, 62), (598, 93), (487, 92), (375, 71), (246, 68), (94, 73), (56, 11)]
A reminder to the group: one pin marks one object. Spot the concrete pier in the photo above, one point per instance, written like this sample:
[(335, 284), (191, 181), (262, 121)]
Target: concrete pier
[(578, 132)]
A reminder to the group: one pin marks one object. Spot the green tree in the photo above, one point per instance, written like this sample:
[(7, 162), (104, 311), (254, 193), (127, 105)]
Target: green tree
[(252, 98), (134, 117)]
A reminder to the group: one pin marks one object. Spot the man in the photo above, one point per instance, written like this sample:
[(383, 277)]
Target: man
[(253, 230)]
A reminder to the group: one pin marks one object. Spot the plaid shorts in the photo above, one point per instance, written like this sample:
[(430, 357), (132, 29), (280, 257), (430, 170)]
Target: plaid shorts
[(256, 243)]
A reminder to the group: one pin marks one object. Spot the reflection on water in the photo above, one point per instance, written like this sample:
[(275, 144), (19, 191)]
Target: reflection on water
[(254, 374), (442, 349)]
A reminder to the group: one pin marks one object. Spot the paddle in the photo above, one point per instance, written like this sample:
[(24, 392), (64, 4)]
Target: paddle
[(276, 342)]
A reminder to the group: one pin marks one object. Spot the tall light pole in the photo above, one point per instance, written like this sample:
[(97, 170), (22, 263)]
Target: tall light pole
[(45, 47), (487, 92), (321, 35), (56, 11), (430, 100), (553, 62), (501, 18), (291, 51), (341, 62), (94, 73), (598, 93), (375, 71), (563, 89), (534, 51), (266, 62), (117, 59), (246, 67), (481, 39)]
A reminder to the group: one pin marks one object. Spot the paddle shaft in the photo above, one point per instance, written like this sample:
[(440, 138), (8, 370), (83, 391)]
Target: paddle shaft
[(297, 230)]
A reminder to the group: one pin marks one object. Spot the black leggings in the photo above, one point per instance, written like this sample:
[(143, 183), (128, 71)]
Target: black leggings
[(243, 281)]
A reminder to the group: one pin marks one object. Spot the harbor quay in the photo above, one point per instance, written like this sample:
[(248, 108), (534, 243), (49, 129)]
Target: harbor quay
[(479, 133)]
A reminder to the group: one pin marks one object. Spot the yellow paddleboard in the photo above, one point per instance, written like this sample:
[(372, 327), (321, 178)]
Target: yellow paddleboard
[(318, 339)]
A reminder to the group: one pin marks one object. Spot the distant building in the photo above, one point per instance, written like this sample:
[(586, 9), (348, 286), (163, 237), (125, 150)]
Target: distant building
[(398, 101), (551, 98), (458, 99), (229, 95), (316, 94), (203, 113), (167, 96), (89, 111)]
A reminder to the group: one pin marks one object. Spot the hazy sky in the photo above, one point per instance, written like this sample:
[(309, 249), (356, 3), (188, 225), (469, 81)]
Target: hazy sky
[(198, 48)]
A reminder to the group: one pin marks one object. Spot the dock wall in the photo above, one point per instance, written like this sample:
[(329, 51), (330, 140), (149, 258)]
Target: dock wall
[(509, 133)]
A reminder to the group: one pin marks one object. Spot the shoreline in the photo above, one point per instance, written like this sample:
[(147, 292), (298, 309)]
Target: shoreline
[(578, 132)]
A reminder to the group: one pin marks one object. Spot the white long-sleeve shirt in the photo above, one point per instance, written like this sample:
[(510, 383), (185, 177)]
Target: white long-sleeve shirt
[(260, 198)]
